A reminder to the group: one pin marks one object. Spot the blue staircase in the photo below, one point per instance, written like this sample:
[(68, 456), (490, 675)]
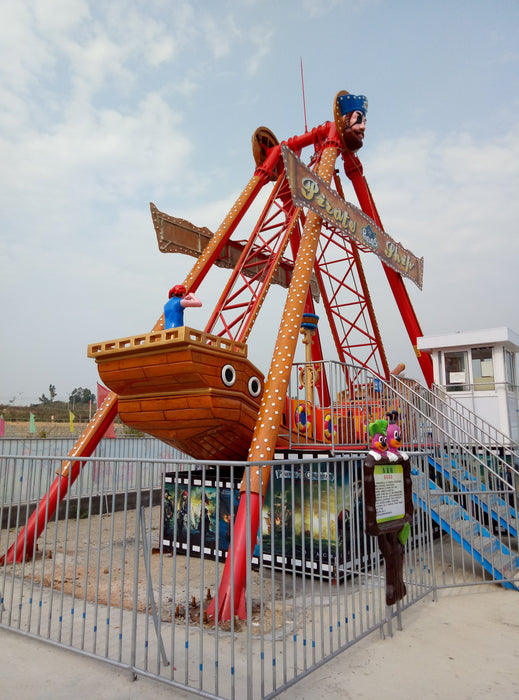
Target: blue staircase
[(476, 539), (469, 483), (495, 506)]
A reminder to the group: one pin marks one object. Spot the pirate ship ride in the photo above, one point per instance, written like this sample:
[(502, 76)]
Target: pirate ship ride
[(199, 390)]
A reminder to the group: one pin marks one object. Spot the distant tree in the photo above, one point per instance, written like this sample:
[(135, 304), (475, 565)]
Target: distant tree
[(52, 394), (81, 395)]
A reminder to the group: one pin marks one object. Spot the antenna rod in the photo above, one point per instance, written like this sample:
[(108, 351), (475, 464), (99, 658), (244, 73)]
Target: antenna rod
[(304, 102)]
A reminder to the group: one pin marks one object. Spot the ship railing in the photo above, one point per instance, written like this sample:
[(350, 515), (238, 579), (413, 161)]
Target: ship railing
[(153, 340)]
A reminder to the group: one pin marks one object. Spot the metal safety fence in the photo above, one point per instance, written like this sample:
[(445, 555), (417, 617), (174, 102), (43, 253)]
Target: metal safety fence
[(130, 575), (115, 463)]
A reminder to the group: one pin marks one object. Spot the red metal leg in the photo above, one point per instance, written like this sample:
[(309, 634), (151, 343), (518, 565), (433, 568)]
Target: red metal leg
[(25, 544)]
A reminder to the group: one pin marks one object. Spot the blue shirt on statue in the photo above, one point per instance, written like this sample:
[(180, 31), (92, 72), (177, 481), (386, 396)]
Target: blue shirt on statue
[(173, 313)]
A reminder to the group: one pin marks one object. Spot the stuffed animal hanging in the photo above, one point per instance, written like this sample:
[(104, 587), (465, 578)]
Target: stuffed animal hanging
[(378, 434), (394, 435)]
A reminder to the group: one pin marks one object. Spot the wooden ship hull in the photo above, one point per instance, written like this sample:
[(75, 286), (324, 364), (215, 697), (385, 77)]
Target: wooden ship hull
[(192, 390)]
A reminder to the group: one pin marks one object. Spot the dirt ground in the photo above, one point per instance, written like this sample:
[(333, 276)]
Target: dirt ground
[(105, 572)]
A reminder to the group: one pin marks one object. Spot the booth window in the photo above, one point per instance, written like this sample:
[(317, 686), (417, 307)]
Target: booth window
[(483, 369), (456, 371), (510, 370)]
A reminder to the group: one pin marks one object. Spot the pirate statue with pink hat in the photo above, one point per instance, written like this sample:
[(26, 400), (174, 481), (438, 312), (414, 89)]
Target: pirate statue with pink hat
[(350, 119), (174, 308)]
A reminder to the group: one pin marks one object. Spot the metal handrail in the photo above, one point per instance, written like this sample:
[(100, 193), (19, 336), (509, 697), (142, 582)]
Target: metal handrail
[(457, 427), (437, 414), (486, 427)]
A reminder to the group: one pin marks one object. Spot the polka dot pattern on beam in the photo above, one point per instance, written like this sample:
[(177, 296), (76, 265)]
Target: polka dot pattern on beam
[(271, 409)]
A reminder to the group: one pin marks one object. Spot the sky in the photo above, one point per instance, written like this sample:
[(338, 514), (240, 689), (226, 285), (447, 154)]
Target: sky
[(108, 106)]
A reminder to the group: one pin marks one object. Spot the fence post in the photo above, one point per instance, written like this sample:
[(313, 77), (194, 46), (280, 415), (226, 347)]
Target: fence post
[(133, 655)]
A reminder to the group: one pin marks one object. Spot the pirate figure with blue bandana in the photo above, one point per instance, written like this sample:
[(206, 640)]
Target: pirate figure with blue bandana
[(350, 119)]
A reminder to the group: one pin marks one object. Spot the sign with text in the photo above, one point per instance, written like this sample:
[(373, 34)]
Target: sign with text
[(311, 191), (388, 492)]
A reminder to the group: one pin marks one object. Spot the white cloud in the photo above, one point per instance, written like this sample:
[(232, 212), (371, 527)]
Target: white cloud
[(25, 57), (447, 183), (452, 200), (58, 17), (260, 42), (102, 155), (219, 34)]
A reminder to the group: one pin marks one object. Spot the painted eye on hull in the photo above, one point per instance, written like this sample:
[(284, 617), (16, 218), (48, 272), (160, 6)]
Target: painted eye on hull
[(254, 387), (228, 375)]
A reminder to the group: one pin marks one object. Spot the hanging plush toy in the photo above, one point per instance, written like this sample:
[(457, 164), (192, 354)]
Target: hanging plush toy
[(378, 434), (388, 500), (394, 436)]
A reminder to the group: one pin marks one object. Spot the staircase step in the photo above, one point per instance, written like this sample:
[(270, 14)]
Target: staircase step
[(501, 511), (505, 563), (451, 511), (485, 545), (470, 485)]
